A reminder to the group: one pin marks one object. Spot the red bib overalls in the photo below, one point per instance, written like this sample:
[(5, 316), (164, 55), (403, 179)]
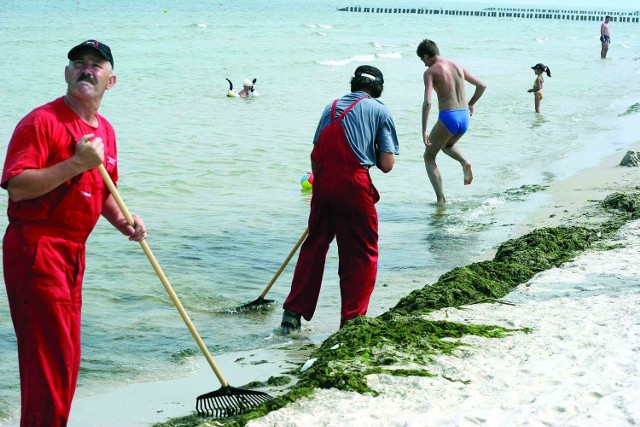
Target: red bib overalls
[(342, 206), (44, 262)]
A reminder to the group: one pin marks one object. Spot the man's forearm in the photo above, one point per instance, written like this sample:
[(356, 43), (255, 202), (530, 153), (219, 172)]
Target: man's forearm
[(477, 94), (426, 108), (112, 213), (33, 183)]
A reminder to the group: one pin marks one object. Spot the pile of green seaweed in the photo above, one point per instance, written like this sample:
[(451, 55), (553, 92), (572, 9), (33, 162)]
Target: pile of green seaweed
[(403, 341)]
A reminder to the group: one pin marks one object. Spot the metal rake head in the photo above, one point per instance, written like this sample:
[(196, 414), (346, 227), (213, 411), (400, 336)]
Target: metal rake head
[(228, 401), (256, 304)]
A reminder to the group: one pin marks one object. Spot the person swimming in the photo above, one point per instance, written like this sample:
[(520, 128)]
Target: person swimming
[(248, 89)]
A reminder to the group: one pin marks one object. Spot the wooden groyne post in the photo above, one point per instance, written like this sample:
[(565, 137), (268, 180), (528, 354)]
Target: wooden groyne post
[(509, 12)]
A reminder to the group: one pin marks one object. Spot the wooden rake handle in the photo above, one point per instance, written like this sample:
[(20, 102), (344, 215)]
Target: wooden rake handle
[(163, 278), (286, 261)]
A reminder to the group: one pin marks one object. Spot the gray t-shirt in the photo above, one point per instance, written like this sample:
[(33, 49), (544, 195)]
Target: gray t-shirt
[(368, 122)]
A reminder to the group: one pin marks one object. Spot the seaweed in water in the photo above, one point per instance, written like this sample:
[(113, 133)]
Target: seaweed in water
[(180, 355), (524, 190), (635, 108)]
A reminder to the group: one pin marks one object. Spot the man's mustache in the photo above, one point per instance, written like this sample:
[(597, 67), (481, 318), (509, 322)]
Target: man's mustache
[(86, 78)]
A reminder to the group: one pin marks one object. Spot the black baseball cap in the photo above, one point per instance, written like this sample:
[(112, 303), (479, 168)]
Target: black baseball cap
[(370, 72), (94, 45), (539, 66)]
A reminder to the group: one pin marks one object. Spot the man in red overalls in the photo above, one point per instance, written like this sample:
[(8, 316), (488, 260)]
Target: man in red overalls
[(56, 195), (355, 133)]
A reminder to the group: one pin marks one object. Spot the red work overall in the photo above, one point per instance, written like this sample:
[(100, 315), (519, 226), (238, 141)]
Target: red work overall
[(342, 206), (44, 266)]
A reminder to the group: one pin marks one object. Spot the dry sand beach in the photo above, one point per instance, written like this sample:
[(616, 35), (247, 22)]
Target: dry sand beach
[(574, 358)]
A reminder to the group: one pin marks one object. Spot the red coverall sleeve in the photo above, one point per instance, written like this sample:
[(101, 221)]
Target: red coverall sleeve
[(28, 149)]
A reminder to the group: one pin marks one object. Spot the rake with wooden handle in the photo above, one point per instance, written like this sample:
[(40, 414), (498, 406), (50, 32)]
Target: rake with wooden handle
[(227, 400), (261, 300)]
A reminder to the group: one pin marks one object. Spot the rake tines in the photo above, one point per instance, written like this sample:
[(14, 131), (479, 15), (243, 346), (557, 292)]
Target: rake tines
[(257, 303), (228, 401)]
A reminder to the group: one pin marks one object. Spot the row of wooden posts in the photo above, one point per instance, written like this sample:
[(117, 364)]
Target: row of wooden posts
[(572, 15)]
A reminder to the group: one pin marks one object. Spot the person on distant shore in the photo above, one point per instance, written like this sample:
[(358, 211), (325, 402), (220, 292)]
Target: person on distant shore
[(538, 69), (355, 133), (56, 195), (447, 79), (605, 36)]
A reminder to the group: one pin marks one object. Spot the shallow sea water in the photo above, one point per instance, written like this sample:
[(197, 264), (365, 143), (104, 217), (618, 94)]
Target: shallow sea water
[(217, 179)]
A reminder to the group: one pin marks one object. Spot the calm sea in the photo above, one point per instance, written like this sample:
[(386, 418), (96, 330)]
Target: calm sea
[(217, 179)]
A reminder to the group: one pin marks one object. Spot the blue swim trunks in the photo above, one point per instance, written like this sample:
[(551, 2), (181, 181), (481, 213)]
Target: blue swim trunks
[(605, 39), (456, 121)]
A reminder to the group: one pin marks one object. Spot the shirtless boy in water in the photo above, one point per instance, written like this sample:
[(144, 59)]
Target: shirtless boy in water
[(447, 79)]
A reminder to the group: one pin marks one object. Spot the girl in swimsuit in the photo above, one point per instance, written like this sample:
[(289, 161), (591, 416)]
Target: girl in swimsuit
[(538, 69)]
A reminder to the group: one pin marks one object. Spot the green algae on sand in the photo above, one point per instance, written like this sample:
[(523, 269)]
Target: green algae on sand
[(403, 341), (278, 381), (397, 346), (628, 203), (516, 261)]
